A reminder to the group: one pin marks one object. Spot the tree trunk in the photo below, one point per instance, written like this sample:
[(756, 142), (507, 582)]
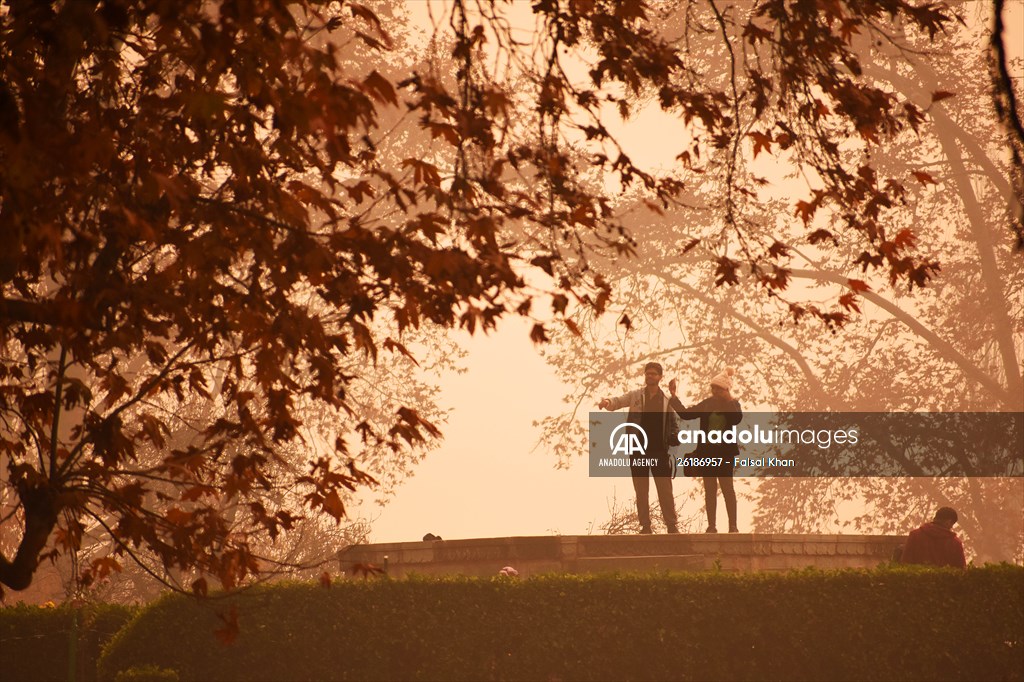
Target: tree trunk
[(39, 505)]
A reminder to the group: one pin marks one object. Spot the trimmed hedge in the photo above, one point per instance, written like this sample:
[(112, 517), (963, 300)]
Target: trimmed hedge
[(35, 642), (886, 624)]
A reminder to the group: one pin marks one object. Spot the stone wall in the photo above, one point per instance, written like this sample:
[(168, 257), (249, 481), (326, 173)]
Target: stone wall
[(603, 553)]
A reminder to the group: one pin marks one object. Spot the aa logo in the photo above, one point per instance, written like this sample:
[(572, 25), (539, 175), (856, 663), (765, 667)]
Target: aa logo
[(628, 439)]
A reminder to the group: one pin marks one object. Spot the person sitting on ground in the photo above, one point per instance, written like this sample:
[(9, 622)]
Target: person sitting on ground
[(935, 543)]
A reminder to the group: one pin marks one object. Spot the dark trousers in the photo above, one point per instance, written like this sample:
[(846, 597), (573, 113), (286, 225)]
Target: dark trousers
[(663, 483), (711, 484)]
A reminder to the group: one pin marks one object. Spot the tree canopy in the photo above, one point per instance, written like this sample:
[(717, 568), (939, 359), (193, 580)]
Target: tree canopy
[(955, 346), (251, 202)]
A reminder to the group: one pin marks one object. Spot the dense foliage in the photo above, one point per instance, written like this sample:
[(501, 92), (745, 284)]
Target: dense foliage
[(36, 642), (954, 346), (214, 214)]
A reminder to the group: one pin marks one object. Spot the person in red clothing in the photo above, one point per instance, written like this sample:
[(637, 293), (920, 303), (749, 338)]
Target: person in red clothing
[(935, 543)]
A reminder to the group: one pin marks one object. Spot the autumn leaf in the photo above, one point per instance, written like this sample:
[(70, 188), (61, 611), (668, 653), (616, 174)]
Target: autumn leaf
[(423, 172), (360, 190), (396, 347), (726, 272), (848, 29), (380, 88), (178, 517), (924, 178), (761, 142), (904, 239), (333, 505), (914, 115), (834, 320), (411, 423), (805, 211), (686, 158), (104, 566), (822, 235), (367, 14), (849, 302), (497, 102), (447, 131)]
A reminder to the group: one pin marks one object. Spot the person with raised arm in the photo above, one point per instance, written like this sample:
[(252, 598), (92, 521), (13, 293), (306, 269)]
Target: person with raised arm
[(649, 409)]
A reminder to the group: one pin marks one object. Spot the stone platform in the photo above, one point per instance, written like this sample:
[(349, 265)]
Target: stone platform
[(608, 553)]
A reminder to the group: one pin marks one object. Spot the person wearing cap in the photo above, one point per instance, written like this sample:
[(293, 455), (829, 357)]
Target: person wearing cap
[(935, 543), (649, 408), (716, 413)]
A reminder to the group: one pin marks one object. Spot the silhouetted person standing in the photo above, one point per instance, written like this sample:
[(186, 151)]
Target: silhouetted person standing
[(717, 413), (935, 543), (649, 408)]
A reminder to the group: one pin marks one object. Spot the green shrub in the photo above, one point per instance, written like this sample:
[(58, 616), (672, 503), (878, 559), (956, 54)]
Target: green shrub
[(898, 624), (35, 642)]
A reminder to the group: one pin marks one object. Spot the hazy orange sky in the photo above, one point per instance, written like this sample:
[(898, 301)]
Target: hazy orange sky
[(486, 480)]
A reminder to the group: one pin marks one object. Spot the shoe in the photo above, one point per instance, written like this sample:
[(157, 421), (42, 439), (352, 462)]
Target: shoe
[(673, 530), (734, 529), (711, 529), (646, 530)]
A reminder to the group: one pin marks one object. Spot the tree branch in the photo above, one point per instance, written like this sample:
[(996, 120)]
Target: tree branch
[(40, 510), (66, 315), (1005, 100), (941, 346), (62, 364)]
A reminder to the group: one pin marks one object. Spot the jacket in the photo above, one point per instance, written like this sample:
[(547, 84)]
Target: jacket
[(731, 414), (634, 400), (934, 545)]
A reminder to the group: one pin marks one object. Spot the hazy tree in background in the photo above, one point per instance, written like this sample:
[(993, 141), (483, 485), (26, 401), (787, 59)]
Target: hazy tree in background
[(956, 345)]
